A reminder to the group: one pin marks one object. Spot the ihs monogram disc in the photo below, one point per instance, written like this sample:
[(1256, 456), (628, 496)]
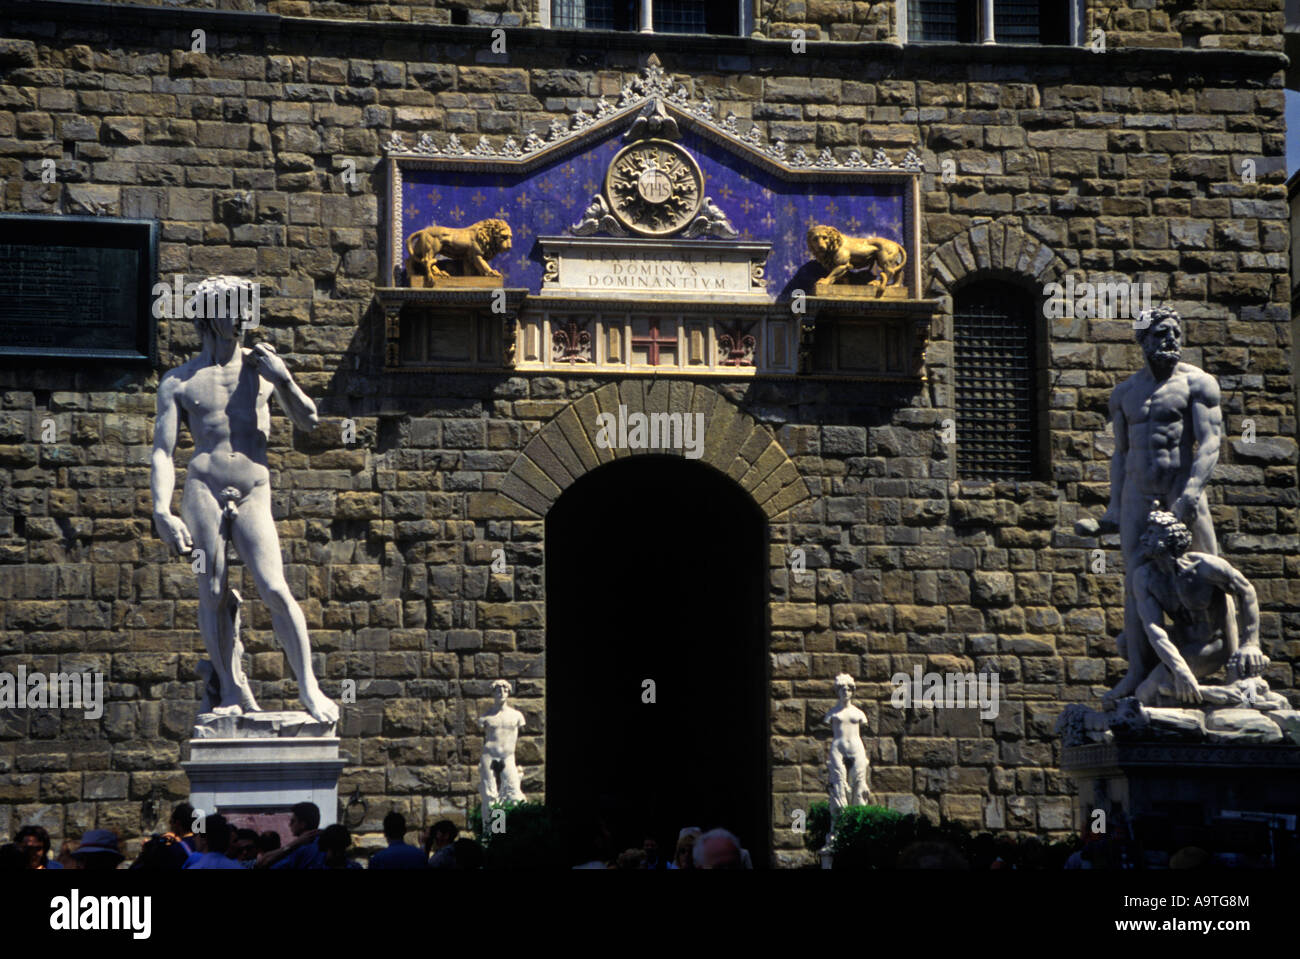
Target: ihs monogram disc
[(654, 187)]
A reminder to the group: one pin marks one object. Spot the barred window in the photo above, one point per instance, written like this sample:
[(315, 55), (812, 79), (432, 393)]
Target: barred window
[(995, 366), (1014, 21), (594, 14), (666, 16), (680, 16), (951, 21)]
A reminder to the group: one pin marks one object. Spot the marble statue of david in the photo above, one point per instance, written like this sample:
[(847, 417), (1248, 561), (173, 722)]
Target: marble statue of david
[(223, 395)]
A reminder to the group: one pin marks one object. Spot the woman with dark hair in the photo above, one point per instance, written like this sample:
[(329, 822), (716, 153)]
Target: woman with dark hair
[(34, 841), (334, 842)]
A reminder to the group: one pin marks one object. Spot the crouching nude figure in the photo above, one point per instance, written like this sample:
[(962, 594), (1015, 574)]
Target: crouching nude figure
[(223, 395), (1195, 591), (500, 725), (847, 778)]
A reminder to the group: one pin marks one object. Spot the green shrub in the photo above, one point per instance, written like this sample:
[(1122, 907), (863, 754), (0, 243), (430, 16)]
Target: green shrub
[(870, 837), (530, 839), (817, 826)]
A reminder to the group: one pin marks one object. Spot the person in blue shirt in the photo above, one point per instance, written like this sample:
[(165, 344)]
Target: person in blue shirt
[(303, 851), (213, 842), (399, 854), (442, 838)]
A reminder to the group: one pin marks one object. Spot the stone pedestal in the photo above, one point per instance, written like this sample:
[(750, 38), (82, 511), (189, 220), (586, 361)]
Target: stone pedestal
[(1178, 779), (264, 762)]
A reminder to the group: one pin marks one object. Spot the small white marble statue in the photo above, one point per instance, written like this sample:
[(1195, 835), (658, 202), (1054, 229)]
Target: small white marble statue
[(223, 395), (848, 764), (500, 725)]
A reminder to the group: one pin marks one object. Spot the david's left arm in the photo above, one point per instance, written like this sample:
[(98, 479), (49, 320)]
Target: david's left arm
[(297, 404)]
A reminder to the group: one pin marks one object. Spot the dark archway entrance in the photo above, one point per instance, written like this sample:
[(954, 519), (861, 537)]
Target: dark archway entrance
[(655, 569)]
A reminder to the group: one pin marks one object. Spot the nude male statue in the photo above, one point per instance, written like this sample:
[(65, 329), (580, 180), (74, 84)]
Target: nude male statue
[(1202, 635), (500, 725), (223, 395), (847, 778), (1168, 427)]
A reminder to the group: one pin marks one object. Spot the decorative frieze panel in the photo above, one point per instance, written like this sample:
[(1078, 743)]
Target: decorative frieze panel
[(450, 328), (669, 341)]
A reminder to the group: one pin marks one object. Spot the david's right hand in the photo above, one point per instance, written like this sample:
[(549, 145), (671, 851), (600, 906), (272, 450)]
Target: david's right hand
[(173, 533)]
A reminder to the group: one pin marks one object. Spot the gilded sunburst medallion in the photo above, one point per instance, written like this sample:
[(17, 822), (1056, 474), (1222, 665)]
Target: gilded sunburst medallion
[(654, 187)]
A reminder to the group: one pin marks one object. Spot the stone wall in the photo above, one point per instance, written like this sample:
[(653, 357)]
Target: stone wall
[(1220, 24), (1205, 24), (1122, 165), (827, 19)]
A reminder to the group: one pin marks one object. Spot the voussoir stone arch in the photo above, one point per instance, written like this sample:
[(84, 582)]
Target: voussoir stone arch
[(994, 249), (735, 444)]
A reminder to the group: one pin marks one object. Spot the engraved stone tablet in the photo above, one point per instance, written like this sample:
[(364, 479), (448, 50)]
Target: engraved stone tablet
[(77, 286)]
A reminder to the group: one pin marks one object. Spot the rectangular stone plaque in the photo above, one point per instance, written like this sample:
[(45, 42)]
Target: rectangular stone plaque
[(77, 287), (677, 269)]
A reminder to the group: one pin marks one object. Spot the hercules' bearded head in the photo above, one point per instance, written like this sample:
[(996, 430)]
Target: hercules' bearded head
[(1160, 334)]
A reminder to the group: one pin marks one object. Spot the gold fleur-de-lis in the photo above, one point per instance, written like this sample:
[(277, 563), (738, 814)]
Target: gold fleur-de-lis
[(478, 198), (412, 211), (746, 205), (456, 213)]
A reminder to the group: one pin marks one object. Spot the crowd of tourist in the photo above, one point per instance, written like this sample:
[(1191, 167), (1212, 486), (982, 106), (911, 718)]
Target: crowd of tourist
[(216, 844)]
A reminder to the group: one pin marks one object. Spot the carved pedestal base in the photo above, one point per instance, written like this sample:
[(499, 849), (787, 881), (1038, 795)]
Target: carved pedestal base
[(1216, 778), (455, 282), (860, 291), (264, 762)]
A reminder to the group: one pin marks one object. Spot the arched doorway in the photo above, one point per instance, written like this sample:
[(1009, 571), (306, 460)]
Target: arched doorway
[(655, 569)]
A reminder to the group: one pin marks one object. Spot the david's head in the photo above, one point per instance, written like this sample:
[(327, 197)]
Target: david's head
[(224, 306), (1165, 535), (1160, 334), (500, 691), (844, 686)]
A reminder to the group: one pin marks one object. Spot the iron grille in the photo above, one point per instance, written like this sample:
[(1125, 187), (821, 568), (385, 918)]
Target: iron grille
[(569, 14), (592, 14), (1016, 21), (994, 362), (940, 20), (680, 16)]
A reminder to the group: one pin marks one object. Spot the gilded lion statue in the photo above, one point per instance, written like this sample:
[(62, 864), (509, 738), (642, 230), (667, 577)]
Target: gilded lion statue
[(473, 246), (839, 254)]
